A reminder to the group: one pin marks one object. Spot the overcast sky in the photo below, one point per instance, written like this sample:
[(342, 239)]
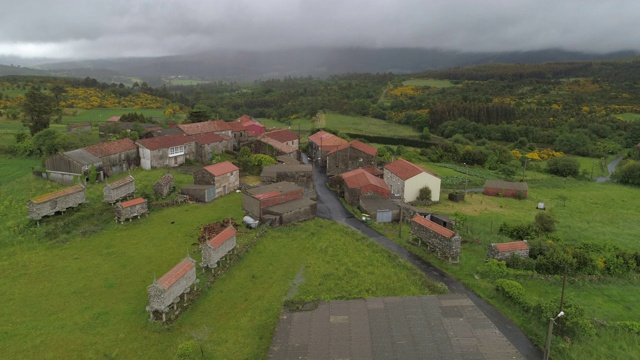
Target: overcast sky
[(115, 28)]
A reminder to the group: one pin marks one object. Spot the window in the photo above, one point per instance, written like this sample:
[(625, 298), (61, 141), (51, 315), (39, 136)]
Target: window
[(176, 150)]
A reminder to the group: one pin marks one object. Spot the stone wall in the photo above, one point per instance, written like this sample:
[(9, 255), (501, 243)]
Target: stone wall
[(395, 183), (293, 216), (164, 186), (113, 194), (251, 205), (348, 159), (120, 162), (203, 177), (227, 183), (211, 256), (445, 248)]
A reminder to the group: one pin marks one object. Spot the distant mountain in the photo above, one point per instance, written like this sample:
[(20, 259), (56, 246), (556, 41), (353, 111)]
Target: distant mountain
[(252, 65), (19, 70)]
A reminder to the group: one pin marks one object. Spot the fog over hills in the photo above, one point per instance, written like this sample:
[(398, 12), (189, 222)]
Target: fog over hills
[(317, 62)]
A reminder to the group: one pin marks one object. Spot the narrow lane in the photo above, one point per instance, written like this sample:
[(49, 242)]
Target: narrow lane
[(330, 207)]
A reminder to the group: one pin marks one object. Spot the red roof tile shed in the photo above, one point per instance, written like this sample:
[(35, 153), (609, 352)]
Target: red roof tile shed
[(133, 202), (433, 226), (363, 180), (512, 246)]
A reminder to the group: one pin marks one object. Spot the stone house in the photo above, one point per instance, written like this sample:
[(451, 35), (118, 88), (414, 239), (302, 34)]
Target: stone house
[(271, 147), (127, 210), (79, 128), (49, 204), (445, 242), (285, 136), (211, 143), (281, 203), (116, 156), (64, 167), (322, 142), (359, 183), (164, 186), (350, 156), (406, 179), (503, 251), (224, 176), (219, 127), (166, 151), (166, 291), (299, 174), (254, 127), (119, 189), (239, 134), (517, 190), (217, 247)]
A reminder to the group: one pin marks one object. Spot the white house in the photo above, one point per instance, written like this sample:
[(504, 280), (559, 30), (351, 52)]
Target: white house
[(406, 179)]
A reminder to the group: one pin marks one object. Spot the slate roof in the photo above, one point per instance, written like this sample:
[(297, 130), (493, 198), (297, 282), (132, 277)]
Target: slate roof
[(279, 187), (282, 135), (209, 138), (359, 145), (82, 157), (176, 273), (165, 142), (132, 202), (506, 185), (205, 127), (56, 194), (221, 168), (273, 170), (361, 179), (327, 139), (221, 237), (111, 147), (121, 182), (405, 170), (433, 226), (282, 147), (512, 246)]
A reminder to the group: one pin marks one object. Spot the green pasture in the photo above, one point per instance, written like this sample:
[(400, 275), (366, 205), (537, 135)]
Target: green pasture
[(305, 125), (368, 126), (97, 116), (628, 116), (595, 166), (434, 83), (82, 293)]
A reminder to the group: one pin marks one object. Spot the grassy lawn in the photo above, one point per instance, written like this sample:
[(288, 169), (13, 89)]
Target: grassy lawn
[(628, 116), (598, 166), (85, 297), (368, 126), (429, 82)]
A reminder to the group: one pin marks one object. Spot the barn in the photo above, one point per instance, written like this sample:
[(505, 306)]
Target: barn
[(518, 190), (116, 156), (350, 156)]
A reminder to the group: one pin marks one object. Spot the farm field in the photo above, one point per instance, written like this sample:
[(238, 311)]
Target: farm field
[(434, 83), (368, 126), (305, 125), (98, 116), (628, 116), (89, 302)]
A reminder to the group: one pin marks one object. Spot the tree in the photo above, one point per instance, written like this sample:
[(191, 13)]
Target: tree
[(37, 110), (199, 113), (628, 173), (424, 194), (545, 223), (563, 166)]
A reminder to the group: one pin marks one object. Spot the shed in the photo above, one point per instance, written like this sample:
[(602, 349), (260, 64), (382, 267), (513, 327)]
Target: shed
[(49, 204), (132, 208), (167, 290), (201, 193), (518, 190), (64, 167), (290, 211), (445, 242), (218, 246), (119, 189), (502, 251), (164, 186), (380, 209), (225, 176)]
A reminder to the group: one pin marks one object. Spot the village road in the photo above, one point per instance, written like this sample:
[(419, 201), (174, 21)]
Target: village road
[(330, 207), (611, 167)]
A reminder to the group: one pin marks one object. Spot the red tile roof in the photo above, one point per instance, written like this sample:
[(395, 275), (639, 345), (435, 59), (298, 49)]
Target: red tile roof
[(176, 273), (367, 149), (205, 127), (363, 180), (282, 147), (267, 195), (111, 147), (325, 139), (121, 182), (282, 135), (164, 142), (512, 246), (133, 202), (208, 138), (223, 236), (433, 226), (57, 194), (248, 120), (372, 170), (236, 126), (405, 170), (221, 168)]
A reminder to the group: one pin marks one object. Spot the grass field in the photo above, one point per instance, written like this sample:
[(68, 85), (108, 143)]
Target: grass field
[(434, 83), (305, 125), (85, 297), (97, 116), (628, 116), (368, 126)]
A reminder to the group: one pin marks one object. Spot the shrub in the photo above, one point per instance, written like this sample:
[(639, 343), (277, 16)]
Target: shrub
[(425, 194), (545, 222), (511, 289), (631, 327), (517, 232), (554, 261), (520, 263), (563, 166), (493, 269)]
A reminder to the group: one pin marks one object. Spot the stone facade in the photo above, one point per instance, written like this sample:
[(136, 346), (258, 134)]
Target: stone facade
[(256, 199), (51, 203), (347, 159), (164, 186), (129, 209), (166, 291), (217, 247), (503, 251), (119, 189), (290, 212), (445, 242), (224, 176), (201, 193), (395, 184)]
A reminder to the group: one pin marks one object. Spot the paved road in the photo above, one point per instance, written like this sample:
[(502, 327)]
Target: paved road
[(329, 207), (611, 167)]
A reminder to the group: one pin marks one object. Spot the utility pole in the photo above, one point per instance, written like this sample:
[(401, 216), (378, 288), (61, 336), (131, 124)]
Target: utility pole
[(400, 222)]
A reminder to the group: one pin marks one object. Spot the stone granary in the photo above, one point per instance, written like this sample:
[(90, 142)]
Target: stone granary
[(166, 151), (166, 291), (218, 246), (224, 176), (359, 183), (49, 204), (119, 189), (280, 203), (503, 251), (127, 210), (445, 242), (164, 186), (518, 190), (322, 142), (406, 179), (350, 156)]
